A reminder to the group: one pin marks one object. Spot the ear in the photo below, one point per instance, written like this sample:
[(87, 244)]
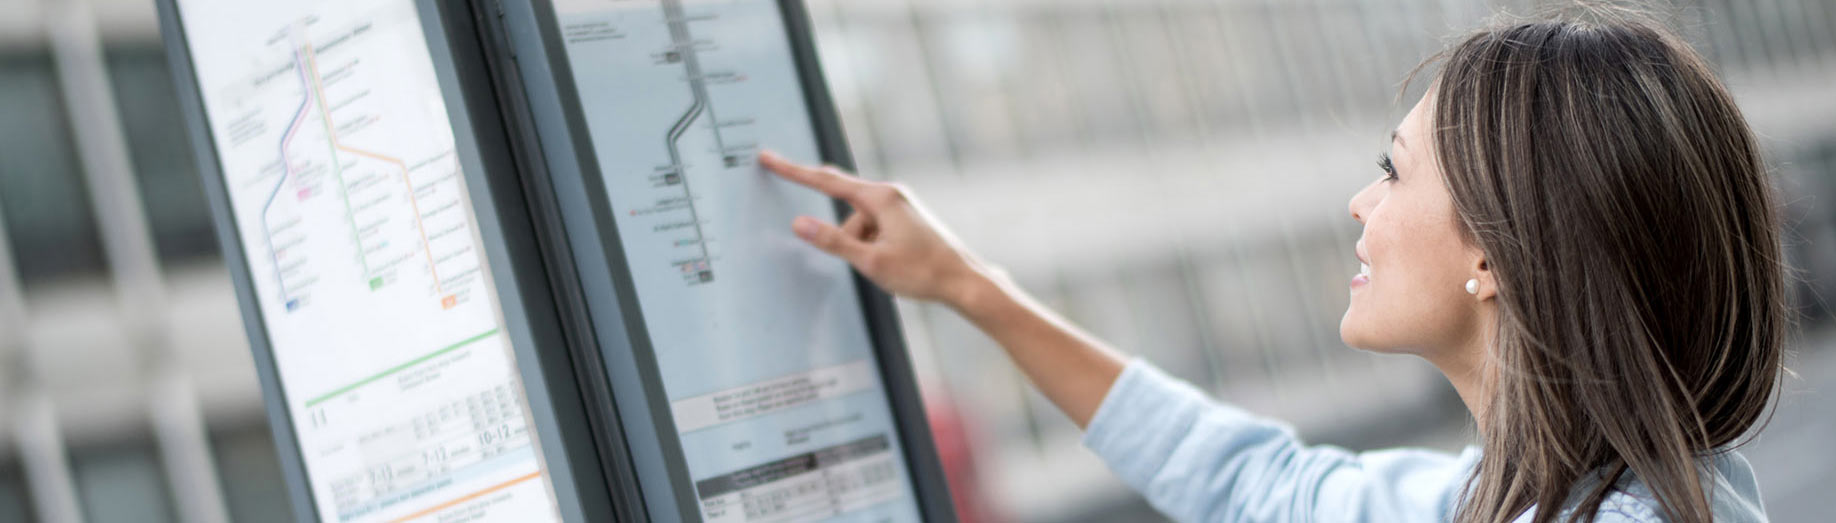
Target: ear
[(1482, 271)]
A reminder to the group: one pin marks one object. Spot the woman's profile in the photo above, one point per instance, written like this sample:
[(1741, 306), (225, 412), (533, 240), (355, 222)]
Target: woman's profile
[(1573, 225)]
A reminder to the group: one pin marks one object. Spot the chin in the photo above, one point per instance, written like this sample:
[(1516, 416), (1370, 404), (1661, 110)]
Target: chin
[(1359, 333), (1350, 332)]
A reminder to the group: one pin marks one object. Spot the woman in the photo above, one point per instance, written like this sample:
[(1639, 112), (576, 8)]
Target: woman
[(1573, 225)]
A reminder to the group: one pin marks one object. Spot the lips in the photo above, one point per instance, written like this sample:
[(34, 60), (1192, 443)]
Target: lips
[(1364, 266)]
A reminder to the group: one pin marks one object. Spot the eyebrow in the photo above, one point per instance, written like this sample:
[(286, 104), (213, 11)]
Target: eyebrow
[(1396, 137)]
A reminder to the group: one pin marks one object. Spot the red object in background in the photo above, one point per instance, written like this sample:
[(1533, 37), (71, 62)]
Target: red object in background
[(955, 451)]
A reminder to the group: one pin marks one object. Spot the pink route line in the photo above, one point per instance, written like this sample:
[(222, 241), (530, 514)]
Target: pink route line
[(426, 246), (286, 170)]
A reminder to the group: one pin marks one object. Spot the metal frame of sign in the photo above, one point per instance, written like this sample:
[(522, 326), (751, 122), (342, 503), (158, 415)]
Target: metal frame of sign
[(523, 45), (531, 310)]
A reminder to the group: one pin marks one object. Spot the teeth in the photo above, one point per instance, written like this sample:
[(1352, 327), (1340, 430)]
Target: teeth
[(1364, 268)]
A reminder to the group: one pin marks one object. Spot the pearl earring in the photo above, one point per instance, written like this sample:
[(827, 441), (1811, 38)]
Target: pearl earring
[(1472, 286)]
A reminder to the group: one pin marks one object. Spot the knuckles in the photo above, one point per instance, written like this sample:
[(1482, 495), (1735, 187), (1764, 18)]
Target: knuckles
[(904, 190), (886, 194)]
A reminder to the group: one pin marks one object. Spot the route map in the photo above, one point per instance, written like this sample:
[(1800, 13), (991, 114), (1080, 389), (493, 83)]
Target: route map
[(366, 262), (759, 339)]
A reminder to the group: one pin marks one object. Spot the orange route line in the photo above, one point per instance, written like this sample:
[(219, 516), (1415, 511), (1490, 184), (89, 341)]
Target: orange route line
[(467, 497), (312, 64)]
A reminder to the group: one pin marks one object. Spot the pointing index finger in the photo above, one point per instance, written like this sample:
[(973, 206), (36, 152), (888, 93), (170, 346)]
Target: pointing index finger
[(829, 181)]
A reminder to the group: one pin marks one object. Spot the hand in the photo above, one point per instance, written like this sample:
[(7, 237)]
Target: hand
[(889, 237), (891, 240)]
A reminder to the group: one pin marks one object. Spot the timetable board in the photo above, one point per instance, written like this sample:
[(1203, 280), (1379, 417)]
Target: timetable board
[(773, 390), (376, 303)]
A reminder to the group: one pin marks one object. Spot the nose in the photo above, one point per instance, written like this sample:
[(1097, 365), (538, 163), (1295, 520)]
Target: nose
[(1361, 203)]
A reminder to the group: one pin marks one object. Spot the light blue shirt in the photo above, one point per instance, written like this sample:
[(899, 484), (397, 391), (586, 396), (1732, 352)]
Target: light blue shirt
[(1198, 460)]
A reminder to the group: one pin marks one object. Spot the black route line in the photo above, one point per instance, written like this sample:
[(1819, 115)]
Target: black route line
[(683, 47)]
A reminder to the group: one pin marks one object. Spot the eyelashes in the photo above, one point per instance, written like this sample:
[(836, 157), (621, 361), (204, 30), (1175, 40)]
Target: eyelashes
[(1388, 168)]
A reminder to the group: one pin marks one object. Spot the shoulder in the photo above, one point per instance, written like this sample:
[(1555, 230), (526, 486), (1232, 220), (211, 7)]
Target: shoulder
[(1733, 494), (1620, 507)]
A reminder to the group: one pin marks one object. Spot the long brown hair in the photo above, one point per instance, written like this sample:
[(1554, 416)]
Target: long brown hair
[(1628, 221)]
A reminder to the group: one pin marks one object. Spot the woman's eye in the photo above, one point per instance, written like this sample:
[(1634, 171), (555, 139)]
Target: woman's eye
[(1389, 169)]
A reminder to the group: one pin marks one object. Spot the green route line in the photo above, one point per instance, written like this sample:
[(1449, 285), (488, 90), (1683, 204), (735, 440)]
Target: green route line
[(399, 368), (331, 137)]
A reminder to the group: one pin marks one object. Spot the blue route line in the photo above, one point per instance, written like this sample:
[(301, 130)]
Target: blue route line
[(286, 169)]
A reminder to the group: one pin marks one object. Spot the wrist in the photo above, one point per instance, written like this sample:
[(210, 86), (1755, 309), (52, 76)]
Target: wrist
[(976, 292)]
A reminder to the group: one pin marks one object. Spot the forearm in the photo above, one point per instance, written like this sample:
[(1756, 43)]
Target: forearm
[(1071, 367)]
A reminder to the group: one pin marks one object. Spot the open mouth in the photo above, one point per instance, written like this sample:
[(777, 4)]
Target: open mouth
[(1364, 267)]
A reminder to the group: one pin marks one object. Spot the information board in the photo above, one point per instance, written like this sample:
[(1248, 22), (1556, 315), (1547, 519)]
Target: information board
[(385, 327), (778, 406)]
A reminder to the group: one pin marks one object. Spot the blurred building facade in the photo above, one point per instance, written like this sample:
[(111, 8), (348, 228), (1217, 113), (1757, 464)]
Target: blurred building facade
[(1171, 174)]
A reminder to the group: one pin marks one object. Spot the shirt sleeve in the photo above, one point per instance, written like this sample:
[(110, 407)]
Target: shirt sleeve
[(1198, 460)]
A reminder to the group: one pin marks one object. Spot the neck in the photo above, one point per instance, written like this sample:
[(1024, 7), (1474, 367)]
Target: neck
[(1464, 365), (1468, 383)]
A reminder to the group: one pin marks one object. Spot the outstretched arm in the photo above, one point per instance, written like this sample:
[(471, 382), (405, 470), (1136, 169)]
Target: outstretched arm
[(893, 241), (1192, 458)]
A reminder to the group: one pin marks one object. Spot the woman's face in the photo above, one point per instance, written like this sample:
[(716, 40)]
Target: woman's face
[(1412, 297)]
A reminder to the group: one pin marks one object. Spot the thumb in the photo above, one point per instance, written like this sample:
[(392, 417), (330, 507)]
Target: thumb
[(829, 238)]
